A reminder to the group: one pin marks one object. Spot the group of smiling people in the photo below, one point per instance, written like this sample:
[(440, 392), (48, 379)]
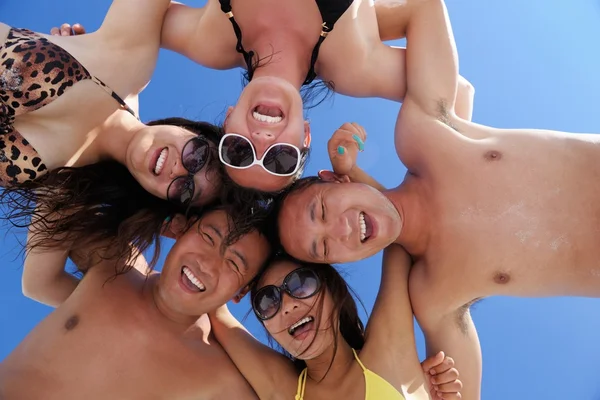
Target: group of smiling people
[(473, 217)]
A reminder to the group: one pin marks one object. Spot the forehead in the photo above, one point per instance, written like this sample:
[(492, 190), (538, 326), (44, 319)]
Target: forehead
[(277, 271)]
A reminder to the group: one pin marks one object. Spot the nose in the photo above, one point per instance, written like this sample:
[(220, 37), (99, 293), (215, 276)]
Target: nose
[(178, 170), (261, 140), (340, 229), (288, 303)]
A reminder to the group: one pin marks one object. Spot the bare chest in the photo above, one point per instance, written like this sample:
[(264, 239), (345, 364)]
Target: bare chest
[(508, 220), (100, 349)]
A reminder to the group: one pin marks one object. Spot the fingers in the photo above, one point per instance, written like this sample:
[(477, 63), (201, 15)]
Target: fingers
[(442, 367), (447, 396), (433, 361), (445, 377), (68, 30), (449, 389), (78, 29), (65, 30)]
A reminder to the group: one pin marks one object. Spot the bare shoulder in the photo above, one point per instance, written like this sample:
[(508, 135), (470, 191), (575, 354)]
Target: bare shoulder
[(4, 29), (204, 35)]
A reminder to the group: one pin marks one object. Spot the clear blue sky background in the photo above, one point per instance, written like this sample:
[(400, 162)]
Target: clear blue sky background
[(533, 63)]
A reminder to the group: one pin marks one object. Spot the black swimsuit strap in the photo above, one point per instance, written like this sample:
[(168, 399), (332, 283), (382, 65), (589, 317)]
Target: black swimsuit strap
[(330, 11), (226, 8)]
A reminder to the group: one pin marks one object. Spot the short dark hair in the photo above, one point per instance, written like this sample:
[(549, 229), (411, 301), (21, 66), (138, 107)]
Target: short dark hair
[(98, 203)]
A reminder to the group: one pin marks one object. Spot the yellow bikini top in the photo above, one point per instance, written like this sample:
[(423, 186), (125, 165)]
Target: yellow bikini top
[(377, 388)]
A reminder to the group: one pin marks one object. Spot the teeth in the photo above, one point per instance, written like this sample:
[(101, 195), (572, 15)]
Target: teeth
[(266, 118), (303, 321), (193, 279), (161, 161), (363, 226)]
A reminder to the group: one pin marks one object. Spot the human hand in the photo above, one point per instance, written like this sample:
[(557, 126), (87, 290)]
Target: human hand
[(441, 377), (344, 145), (68, 30)]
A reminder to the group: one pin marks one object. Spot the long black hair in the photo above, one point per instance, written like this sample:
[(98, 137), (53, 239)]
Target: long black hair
[(344, 318), (98, 203)]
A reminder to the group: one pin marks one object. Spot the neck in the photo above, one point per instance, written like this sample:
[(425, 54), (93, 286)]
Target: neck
[(322, 370), (175, 321), (115, 134), (409, 201), (283, 54)]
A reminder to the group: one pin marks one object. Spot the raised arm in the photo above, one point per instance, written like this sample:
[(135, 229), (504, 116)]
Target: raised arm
[(454, 333), (390, 348), (269, 373), (431, 58)]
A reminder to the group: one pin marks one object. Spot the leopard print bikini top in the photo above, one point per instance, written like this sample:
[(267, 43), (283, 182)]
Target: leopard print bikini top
[(33, 73)]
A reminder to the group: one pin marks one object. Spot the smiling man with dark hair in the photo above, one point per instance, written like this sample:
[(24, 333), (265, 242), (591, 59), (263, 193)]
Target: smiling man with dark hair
[(136, 335)]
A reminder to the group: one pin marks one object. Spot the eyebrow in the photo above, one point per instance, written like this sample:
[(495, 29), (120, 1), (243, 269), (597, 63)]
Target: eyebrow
[(313, 207), (216, 230), (242, 258)]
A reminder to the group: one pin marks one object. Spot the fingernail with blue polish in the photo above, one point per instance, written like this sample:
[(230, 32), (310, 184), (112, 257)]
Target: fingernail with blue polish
[(168, 219), (341, 150), (361, 144)]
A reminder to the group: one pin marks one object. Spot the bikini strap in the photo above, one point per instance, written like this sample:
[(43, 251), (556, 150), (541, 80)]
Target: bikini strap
[(115, 96), (226, 8), (358, 359), (301, 385)]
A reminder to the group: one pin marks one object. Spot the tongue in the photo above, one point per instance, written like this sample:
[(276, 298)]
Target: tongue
[(369, 226), (269, 111), (188, 284), (303, 329)]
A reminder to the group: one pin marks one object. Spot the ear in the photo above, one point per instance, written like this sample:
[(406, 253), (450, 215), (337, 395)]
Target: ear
[(178, 225), (240, 294), (307, 137), (330, 176), (227, 114)]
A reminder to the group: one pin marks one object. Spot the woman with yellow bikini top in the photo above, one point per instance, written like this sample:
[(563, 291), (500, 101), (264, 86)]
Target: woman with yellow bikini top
[(309, 311)]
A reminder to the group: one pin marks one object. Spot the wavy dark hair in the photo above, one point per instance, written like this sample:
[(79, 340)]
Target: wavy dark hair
[(344, 319), (96, 204), (251, 206)]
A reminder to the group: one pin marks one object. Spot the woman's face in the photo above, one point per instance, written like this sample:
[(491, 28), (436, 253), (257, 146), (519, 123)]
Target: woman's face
[(309, 339), (268, 111), (154, 158)]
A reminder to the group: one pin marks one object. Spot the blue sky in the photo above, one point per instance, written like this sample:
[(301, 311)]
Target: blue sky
[(532, 64)]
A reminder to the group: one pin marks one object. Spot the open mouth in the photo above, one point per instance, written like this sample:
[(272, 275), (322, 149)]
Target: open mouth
[(190, 281), (267, 114), (302, 326), (366, 227), (159, 162)]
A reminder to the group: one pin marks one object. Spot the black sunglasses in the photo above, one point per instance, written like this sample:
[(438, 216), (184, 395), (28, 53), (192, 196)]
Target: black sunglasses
[(301, 283), (194, 156)]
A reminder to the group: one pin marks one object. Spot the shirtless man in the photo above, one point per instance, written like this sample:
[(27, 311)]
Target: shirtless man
[(136, 336), (483, 211)]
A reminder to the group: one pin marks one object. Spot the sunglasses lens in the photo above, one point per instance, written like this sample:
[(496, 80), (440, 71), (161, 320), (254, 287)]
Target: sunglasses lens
[(281, 159), (237, 151), (266, 302), (194, 155), (303, 283), (181, 190)]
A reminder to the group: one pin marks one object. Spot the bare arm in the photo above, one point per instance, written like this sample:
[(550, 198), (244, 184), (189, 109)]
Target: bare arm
[(432, 61), (390, 348), (392, 19), (268, 372), (455, 334)]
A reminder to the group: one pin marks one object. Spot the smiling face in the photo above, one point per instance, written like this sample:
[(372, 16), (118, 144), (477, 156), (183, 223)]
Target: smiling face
[(301, 326), (154, 159), (268, 111), (337, 222), (200, 275)]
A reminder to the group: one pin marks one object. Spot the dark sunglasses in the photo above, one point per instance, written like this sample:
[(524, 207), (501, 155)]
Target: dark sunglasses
[(281, 159), (301, 283), (194, 156)]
